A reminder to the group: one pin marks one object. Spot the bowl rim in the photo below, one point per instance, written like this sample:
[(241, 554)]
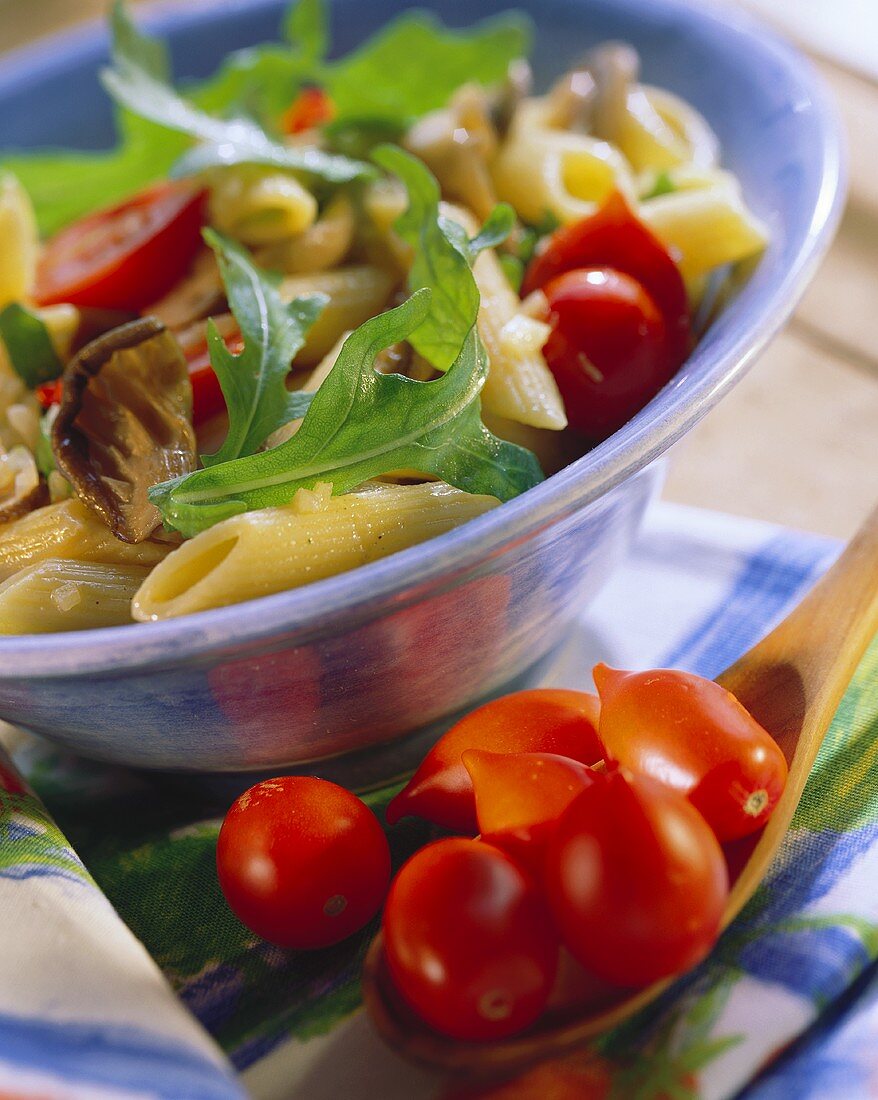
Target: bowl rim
[(407, 576)]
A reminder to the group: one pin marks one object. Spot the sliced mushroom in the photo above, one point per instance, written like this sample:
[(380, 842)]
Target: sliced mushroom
[(125, 424), (516, 87), (593, 97), (21, 487), (197, 295)]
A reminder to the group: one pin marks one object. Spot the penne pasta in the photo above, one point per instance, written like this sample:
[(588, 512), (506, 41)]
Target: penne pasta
[(542, 170), (70, 530), (259, 206), (355, 294), (322, 245), (519, 385), (316, 536), (705, 227), (18, 232), (61, 595)]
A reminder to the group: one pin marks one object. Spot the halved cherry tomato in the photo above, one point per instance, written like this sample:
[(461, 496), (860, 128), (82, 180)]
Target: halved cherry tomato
[(520, 797), (636, 879), (312, 107), (614, 237), (608, 348), (207, 394), (547, 720), (695, 736), (302, 862), (468, 940), (126, 256)]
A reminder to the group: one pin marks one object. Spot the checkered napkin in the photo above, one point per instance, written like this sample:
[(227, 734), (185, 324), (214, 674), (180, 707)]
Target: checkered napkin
[(787, 1005)]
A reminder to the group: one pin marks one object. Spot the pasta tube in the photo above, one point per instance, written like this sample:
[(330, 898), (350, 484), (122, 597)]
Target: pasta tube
[(315, 536), (18, 232), (60, 595), (70, 530), (520, 385), (322, 245), (540, 169), (258, 206), (355, 294)]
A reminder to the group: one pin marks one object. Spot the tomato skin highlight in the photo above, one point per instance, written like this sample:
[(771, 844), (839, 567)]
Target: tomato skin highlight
[(468, 940), (693, 735), (614, 237), (302, 862), (608, 348), (544, 720), (520, 797), (126, 256), (637, 880)]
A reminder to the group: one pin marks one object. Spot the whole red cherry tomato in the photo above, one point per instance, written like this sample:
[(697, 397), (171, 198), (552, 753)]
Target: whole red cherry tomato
[(547, 720), (695, 736), (468, 940), (636, 879), (614, 237), (127, 256), (303, 863), (520, 797), (608, 348)]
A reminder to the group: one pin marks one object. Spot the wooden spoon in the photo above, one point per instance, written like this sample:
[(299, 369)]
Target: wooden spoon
[(792, 682)]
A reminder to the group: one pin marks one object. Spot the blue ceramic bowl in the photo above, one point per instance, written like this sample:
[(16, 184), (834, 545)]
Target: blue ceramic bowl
[(361, 660)]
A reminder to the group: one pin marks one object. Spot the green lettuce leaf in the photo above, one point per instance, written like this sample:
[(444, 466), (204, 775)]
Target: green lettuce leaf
[(29, 346), (253, 382), (362, 424), (443, 254), (137, 79)]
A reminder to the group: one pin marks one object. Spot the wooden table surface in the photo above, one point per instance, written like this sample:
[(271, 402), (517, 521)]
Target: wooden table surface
[(797, 441)]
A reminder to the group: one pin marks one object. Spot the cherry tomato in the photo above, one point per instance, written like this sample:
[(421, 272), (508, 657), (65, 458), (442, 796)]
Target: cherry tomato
[(614, 237), (521, 796), (546, 720), (695, 736), (207, 394), (636, 879), (303, 863), (608, 348), (50, 393), (311, 108), (468, 940), (127, 256)]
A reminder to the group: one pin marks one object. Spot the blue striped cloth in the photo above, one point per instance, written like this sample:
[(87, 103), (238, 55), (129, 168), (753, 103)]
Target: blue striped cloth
[(786, 1006)]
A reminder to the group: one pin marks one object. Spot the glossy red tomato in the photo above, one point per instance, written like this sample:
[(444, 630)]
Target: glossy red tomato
[(312, 107), (127, 256), (695, 736), (636, 879), (548, 720), (468, 940), (521, 796), (302, 862), (608, 348), (614, 237)]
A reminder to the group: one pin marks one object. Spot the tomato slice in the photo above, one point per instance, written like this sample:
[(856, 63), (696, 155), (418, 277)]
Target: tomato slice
[(544, 720), (126, 256), (636, 879), (312, 107), (520, 797), (695, 736), (207, 394), (614, 237), (468, 940)]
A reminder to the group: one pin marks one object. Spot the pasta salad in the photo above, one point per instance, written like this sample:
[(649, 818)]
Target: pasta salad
[(311, 312)]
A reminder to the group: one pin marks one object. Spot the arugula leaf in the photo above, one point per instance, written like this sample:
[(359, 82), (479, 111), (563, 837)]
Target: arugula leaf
[(306, 29), (663, 184), (442, 256), (362, 424), (253, 381), (136, 80), (31, 352)]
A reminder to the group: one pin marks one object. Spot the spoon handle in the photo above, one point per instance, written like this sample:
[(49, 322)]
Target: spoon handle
[(793, 681)]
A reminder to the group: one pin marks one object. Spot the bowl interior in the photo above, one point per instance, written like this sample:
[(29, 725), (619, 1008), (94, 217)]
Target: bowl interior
[(778, 134)]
